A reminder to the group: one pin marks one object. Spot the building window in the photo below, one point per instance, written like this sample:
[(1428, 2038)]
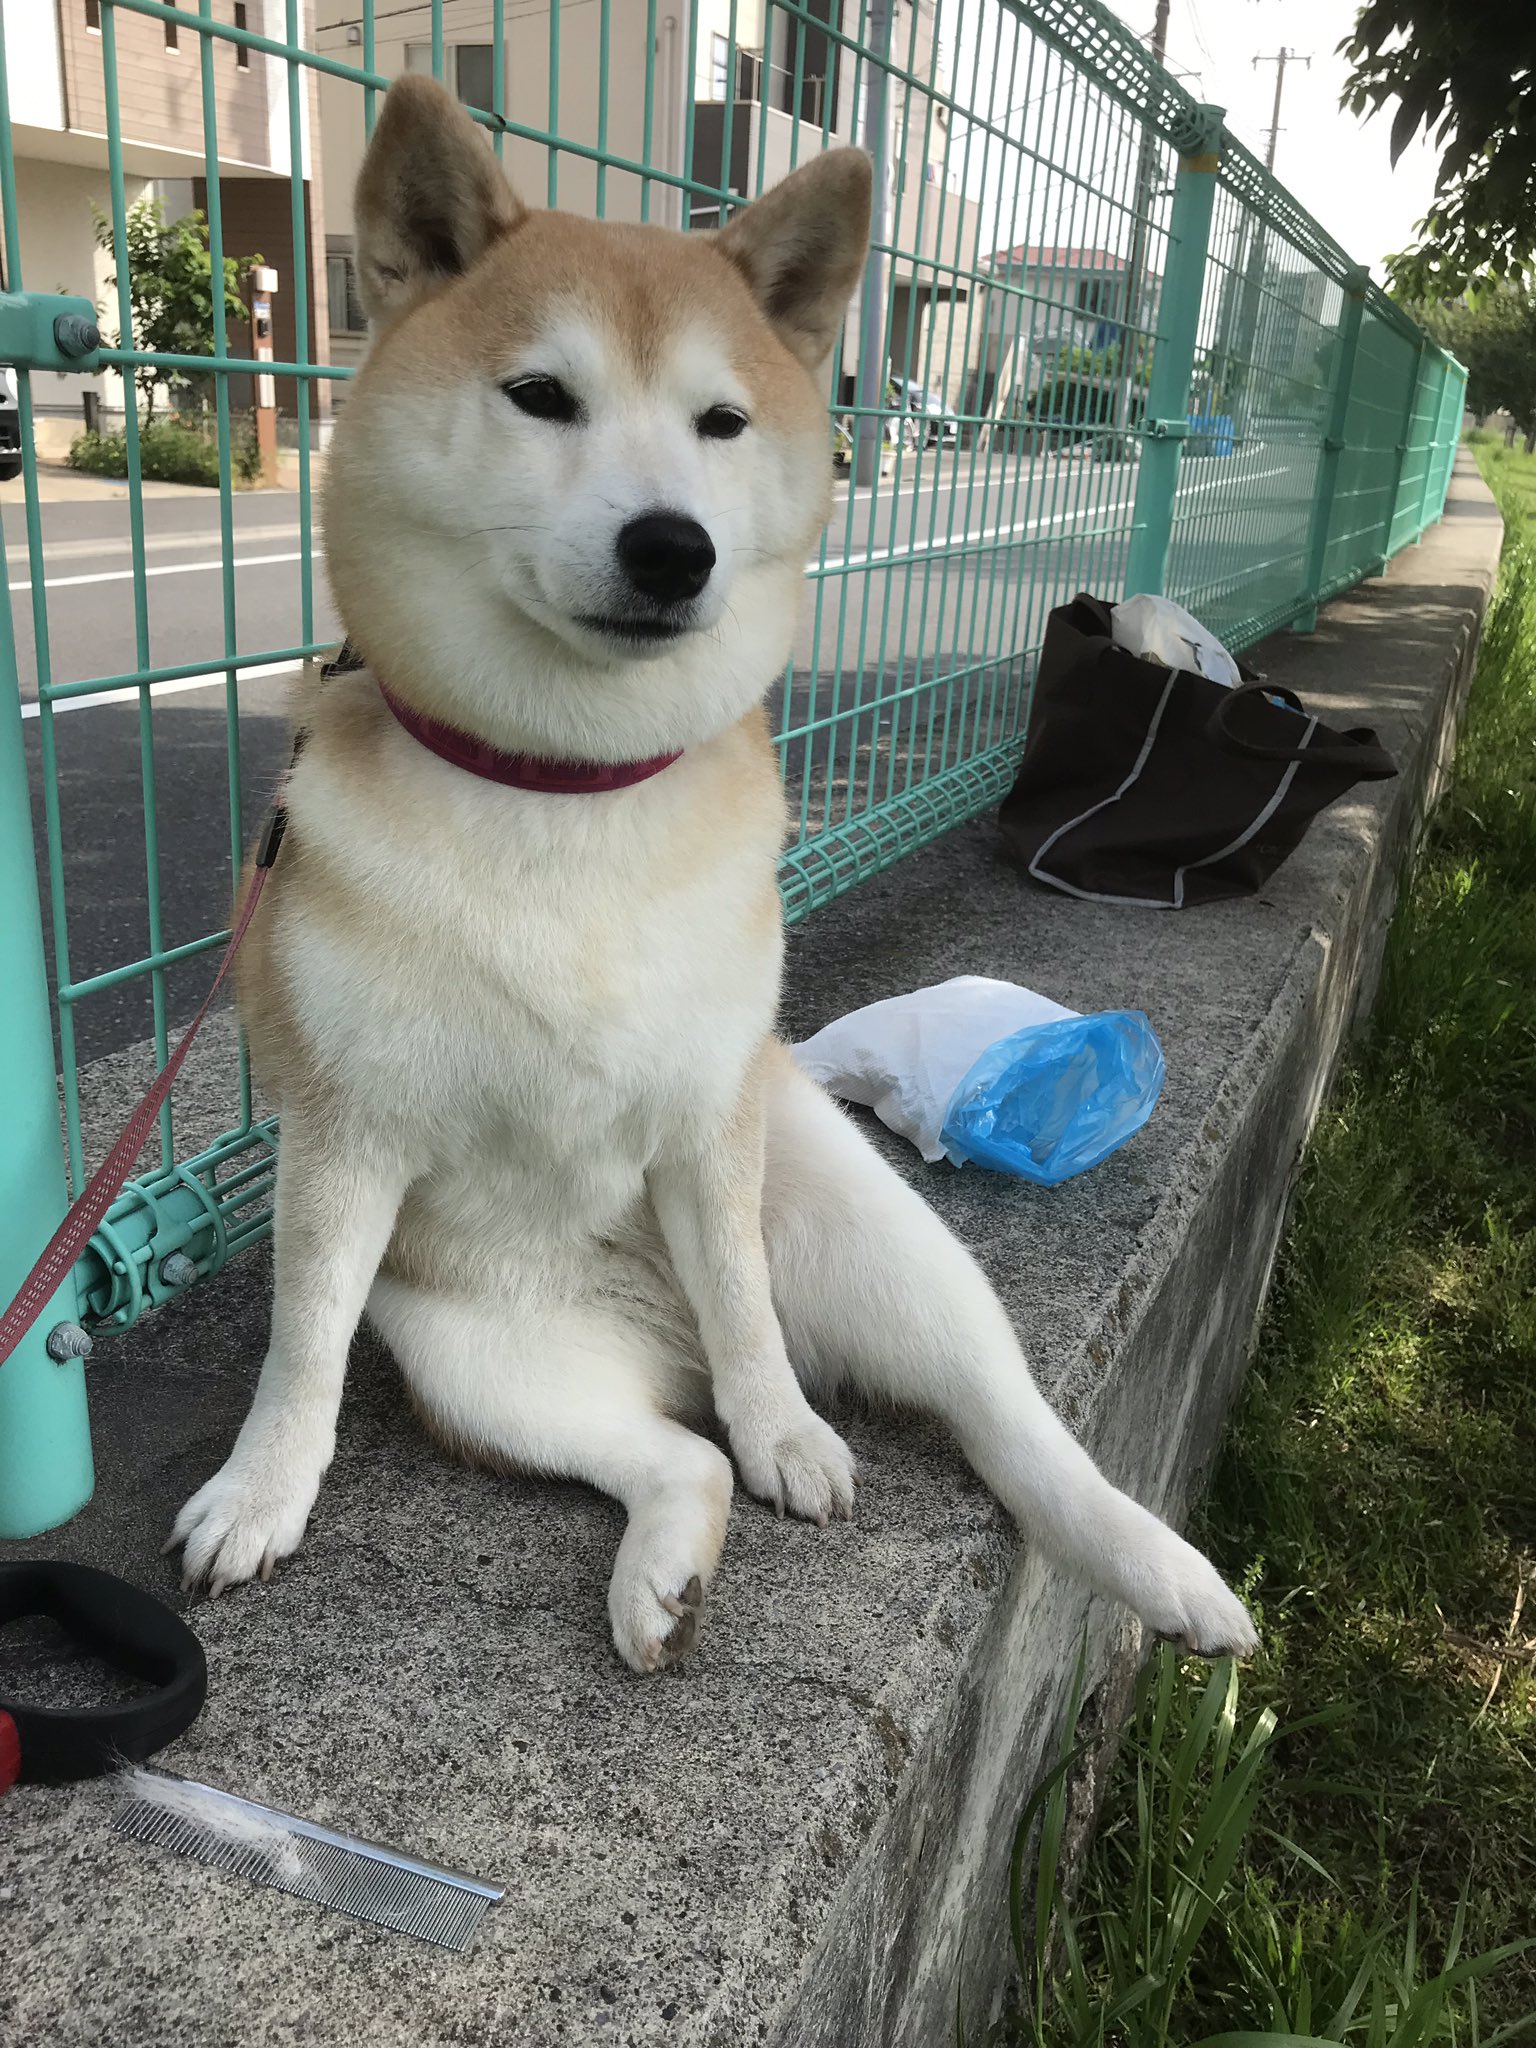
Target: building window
[(172, 36), (1096, 296), (474, 74), (93, 17), (242, 54), (719, 67), (346, 310), (469, 70)]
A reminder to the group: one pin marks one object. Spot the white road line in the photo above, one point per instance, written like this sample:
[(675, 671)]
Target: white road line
[(860, 561), (893, 557), (57, 552), (877, 559), (172, 688), (163, 569)]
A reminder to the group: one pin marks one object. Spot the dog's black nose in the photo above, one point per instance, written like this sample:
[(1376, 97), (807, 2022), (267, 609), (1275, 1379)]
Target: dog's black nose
[(666, 556)]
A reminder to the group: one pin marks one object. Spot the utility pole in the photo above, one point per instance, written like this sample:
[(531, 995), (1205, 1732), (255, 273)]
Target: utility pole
[(1247, 338), (1146, 173), (869, 384), (1280, 59)]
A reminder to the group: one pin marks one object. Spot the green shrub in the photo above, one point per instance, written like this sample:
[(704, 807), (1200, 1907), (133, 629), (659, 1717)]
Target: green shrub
[(1082, 403), (174, 451), (99, 454)]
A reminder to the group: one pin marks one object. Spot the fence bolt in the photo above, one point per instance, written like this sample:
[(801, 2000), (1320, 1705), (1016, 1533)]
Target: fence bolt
[(75, 335), (66, 1341)]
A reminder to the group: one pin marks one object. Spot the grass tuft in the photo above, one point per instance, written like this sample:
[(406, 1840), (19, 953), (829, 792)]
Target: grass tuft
[(1357, 1860)]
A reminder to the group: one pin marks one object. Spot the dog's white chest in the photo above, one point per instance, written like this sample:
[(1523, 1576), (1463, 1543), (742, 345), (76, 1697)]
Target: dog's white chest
[(533, 991)]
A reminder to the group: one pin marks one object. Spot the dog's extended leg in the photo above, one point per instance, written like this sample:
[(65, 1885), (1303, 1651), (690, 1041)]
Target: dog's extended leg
[(872, 1287), (709, 1205), (336, 1206), (576, 1394)]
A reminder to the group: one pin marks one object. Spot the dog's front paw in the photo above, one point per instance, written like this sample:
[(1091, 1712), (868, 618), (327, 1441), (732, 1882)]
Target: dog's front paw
[(251, 1513), (1185, 1599), (796, 1462), (653, 1629)]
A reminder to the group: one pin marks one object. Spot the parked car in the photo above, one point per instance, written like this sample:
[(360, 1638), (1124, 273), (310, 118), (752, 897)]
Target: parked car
[(937, 425), (10, 427)]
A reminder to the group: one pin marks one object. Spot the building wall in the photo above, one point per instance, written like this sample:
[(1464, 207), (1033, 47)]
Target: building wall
[(257, 218), (59, 106), (527, 100), (58, 253), (1024, 336), (160, 90), (933, 223)]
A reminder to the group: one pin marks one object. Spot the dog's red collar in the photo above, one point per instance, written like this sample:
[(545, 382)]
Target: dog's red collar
[(519, 771)]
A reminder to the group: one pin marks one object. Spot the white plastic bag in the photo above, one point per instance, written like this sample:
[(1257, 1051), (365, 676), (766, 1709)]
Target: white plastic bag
[(904, 1058), (1159, 630)]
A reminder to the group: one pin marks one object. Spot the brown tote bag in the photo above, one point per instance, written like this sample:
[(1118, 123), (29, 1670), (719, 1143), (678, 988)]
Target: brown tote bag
[(1156, 786)]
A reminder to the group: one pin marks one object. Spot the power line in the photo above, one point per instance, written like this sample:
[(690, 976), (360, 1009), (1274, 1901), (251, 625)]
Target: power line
[(1194, 23)]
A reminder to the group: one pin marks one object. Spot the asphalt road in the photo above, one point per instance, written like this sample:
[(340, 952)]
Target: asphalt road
[(948, 573)]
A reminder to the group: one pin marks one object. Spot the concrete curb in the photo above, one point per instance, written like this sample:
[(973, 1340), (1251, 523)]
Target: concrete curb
[(802, 1839)]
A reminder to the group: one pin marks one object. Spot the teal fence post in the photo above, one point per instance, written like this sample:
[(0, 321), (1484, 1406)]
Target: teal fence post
[(1432, 458), (1333, 443), (46, 1474), (1384, 552), (1173, 361)]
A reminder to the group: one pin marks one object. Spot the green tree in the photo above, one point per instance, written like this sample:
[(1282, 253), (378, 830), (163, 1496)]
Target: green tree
[(1493, 331), (171, 290), (1463, 71)]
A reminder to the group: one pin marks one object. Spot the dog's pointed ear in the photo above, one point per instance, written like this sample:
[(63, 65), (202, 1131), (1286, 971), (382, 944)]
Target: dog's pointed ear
[(801, 248), (431, 198)]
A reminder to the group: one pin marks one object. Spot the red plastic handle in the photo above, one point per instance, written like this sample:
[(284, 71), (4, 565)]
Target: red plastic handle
[(10, 1752)]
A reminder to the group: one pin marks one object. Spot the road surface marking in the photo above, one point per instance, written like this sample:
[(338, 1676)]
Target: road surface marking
[(895, 556), (163, 569), (876, 559), (171, 688)]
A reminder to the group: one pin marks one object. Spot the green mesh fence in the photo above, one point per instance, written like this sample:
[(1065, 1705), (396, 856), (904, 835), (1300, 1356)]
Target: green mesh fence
[(1098, 347)]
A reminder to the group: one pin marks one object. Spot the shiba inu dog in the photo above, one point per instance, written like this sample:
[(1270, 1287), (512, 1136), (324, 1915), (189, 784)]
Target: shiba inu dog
[(513, 982)]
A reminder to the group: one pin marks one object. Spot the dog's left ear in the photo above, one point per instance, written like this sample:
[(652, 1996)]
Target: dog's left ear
[(431, 198), (801, 248)]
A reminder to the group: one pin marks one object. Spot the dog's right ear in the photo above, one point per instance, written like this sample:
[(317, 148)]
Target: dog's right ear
[(431, 198), (801, 248)]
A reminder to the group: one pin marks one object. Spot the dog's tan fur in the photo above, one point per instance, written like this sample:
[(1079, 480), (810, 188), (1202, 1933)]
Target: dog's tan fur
[(534, 1119)]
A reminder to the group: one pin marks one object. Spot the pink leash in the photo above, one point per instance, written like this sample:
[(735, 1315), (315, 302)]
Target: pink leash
[(519, 771), (85, 1213)]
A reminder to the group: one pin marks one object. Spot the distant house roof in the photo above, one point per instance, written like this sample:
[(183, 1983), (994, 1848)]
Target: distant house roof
[(1027, 258)]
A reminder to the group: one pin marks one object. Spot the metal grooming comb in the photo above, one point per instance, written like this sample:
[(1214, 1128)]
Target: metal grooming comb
[(295, 1856)]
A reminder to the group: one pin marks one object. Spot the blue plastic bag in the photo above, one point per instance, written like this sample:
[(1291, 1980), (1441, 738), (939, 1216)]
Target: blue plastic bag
[(975, 1069), (1054, 1099)]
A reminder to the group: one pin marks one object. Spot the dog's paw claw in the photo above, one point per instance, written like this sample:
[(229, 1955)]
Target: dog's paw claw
[(249, 1515), (653, 1630), (804, 1467), (1192, 1607)]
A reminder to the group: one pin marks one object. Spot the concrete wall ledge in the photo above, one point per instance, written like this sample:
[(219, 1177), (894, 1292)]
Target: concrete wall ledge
[(802, 1838)]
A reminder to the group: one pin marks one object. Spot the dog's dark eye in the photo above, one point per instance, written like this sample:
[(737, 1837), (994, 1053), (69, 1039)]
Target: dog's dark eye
[(721, 423), (543, 398)]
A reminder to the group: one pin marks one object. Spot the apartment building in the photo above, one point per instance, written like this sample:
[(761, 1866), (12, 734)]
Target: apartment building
[(740, 112), (672, 89), (59, 100), (1058, 298)]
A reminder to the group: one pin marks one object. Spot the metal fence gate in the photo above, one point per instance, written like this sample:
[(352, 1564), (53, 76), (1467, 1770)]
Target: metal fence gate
[(1098, 346)]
